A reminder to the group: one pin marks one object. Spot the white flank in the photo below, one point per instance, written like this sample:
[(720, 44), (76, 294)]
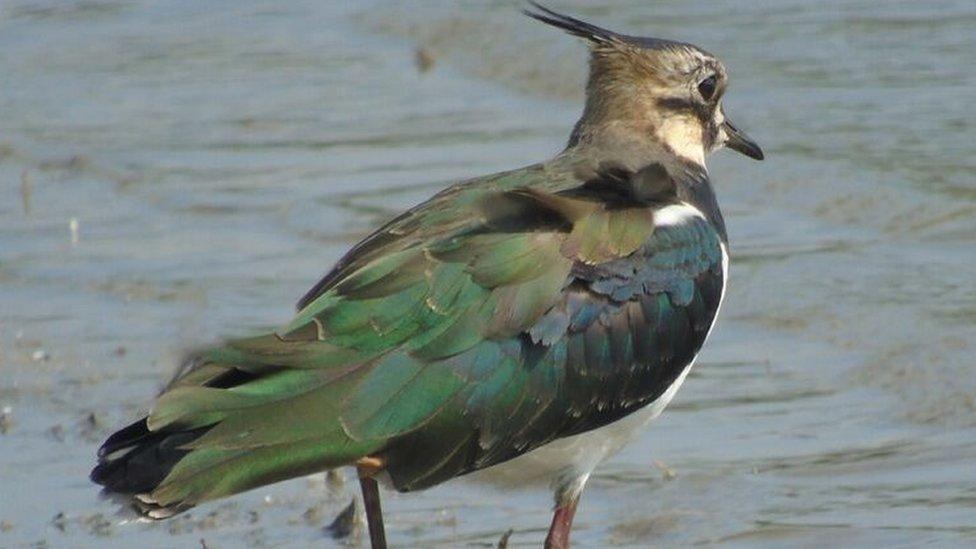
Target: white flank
[(676, 214)]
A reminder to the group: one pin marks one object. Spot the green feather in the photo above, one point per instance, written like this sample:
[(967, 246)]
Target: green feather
[(398, 396), (414, 348)]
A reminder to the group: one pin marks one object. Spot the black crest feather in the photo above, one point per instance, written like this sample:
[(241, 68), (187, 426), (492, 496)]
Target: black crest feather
[(576, 27), (598, 38)]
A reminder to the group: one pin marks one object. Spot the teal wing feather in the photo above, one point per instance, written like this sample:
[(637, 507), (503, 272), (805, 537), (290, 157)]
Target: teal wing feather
[(618, 336)]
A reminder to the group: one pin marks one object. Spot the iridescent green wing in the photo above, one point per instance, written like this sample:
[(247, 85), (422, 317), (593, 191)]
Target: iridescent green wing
[(475, 263), (624, 329), (473, 328)]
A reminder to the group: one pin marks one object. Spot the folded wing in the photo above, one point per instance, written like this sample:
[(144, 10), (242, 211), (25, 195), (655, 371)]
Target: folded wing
[(482, 324)]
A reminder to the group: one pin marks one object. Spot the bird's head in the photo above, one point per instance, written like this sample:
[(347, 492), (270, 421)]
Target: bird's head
[(652, 91)]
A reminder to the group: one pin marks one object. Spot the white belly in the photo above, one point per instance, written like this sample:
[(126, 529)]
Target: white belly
[(576, 455)]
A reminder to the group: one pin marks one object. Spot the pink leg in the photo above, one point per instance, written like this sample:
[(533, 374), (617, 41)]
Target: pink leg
[(562, 524)]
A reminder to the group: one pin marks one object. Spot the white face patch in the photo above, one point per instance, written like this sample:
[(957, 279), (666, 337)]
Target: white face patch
[(719, 119), (719, 116), (683, 135), (722, 137)]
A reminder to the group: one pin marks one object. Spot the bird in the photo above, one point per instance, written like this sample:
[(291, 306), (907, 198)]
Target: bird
[(531, 321)]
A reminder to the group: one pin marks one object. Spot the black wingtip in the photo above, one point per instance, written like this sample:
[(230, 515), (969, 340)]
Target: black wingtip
[(135, 460), (576, 27), (127, 436)]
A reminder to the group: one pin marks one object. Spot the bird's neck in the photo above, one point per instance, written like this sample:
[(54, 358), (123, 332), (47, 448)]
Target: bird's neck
[(696, 189), (641, 136), (637, 141), (620, 143)]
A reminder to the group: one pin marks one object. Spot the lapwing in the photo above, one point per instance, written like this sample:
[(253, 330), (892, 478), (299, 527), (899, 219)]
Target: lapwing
[(525, 323)]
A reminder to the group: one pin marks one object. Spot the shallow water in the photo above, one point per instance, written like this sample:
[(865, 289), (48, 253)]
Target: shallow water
[(217, 158)]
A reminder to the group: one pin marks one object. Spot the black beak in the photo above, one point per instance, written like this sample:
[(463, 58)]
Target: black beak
[(738, 141)]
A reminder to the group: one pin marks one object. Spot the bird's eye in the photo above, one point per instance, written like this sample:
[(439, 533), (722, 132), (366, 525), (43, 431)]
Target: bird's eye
[(707, 88)]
